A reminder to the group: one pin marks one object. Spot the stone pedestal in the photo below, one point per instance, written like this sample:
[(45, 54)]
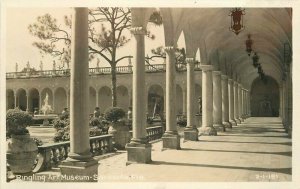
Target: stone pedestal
[(208, 131), (191, 134), (79, 171), (138, 153), (171, 140)]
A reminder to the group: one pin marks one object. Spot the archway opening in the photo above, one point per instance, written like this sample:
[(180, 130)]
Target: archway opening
[(104, 98), (123, 98), (10, 99), (50, 97), (60, 100), (22, 99), (179, 100), (155, 101), (265, 98), (34, 99)]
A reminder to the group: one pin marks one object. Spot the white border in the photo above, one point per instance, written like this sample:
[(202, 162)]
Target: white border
[(159, 3)]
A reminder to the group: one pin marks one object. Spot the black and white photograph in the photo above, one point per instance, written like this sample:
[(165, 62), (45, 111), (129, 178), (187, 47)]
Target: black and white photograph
[(140, 95)]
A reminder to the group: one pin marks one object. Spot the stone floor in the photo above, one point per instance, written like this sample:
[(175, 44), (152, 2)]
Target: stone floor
[(256, 150)]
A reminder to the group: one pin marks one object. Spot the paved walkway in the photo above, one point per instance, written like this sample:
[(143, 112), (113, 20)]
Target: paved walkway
[(256, 150)]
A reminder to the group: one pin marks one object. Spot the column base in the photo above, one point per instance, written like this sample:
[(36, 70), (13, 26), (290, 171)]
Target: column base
[(227, 124), (171, 140), (191, 133), (219, 127), (138, 153), (237, 121), (79, 171), (233, 122), (241, 119), (208, 131)]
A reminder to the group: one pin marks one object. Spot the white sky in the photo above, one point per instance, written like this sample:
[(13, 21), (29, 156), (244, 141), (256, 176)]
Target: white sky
[(19, 46)]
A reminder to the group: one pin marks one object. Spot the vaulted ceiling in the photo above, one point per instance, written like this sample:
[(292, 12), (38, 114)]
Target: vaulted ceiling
[(208, 30)]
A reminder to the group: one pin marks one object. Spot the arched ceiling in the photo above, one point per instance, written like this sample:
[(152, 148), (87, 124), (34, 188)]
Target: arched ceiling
[(208, 28)]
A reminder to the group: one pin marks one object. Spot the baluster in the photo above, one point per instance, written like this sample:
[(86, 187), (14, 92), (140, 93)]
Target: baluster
[(54, 156)]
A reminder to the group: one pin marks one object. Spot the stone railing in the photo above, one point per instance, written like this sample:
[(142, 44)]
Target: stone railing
[(50, 155), (153, 133), (96, 71)]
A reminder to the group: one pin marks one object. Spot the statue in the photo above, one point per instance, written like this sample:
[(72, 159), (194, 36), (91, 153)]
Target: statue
[(200, 105), (54, 65), (46, 108), (98, 62), (28, 66), (16, 67), (41, 66)]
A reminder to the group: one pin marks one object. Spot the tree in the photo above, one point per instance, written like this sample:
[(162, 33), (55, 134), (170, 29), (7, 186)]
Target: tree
[(56, 40)]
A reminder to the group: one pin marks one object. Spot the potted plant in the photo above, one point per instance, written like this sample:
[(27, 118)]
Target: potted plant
[(120, 131), (21, 149)]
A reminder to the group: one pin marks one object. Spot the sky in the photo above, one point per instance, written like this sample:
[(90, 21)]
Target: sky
[(19, 48)]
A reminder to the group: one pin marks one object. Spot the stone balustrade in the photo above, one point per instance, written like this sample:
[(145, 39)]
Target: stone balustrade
[(154, 133), (50, 155), (95, 71)]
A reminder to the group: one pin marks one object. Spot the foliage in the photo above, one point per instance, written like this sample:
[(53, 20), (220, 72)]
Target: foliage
[(55, 40), (62, 126), (182, 121), (17, 121), (114, 114), (38, 141)]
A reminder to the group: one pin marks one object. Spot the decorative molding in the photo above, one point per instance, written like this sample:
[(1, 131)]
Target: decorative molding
[(138, 31), (207, 67)]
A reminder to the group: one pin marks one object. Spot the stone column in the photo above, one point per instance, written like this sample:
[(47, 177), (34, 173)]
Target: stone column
[(236, 102), (40, 101), (207, 101), (184, 104), (170, 139), (240, 112), (97, 98), (68, 99), (217, 101), (231, 102), (139, 150), (243, 103), (79, 161), (16, 97), (27, 101), (225, 102), (191, 131), (280, 100)]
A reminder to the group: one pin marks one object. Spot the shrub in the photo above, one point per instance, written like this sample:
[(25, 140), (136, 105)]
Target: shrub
[(38, 141), (114, 114), (17, 121)]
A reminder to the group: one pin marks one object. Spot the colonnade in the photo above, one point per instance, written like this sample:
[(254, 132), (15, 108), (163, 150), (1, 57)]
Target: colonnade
[(215, 104)]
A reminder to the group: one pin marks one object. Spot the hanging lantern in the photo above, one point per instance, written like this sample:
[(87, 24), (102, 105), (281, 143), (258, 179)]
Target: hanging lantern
[(237, 24), (255, 59), (249, 43)]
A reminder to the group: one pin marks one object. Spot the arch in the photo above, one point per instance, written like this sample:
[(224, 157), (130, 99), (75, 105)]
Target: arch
[(123, 100), (92, 97), (22, 99), (34, 99), (265, 98), (60, 100), (10, 99), (50, 97), (179, 100), (105, 98), (155, 96)]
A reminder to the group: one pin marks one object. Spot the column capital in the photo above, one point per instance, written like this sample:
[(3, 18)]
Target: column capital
[(230, 80), (206, 67), (216, 72), (224, 77), (190, 60), (138, 31), (169, 48)]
